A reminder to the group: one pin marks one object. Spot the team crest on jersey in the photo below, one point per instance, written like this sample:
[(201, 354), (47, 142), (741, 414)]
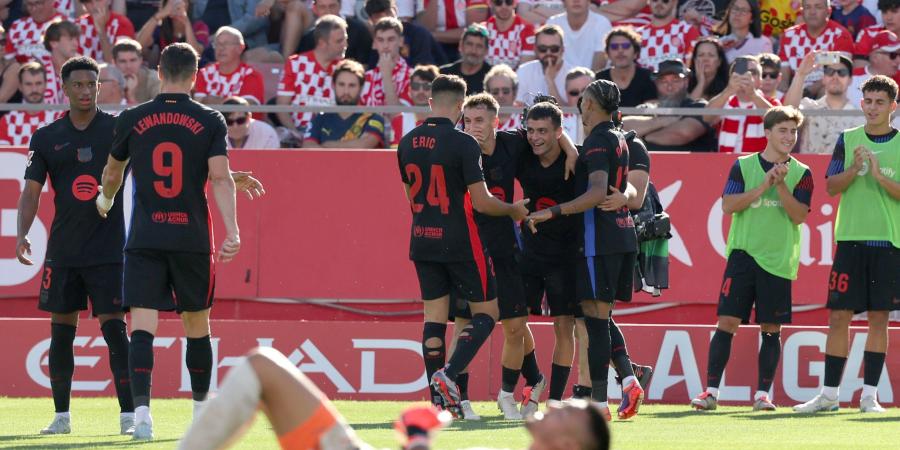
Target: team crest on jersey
[(85, 154)]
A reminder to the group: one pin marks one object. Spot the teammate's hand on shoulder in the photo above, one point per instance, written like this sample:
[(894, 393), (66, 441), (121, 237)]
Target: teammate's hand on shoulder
[(520, 211), (614, 200), (23, 247), (230, 248), (104, 204)]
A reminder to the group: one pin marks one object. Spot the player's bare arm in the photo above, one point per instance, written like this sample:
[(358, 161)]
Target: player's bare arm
[(113, 175), (28, 206), (595, 195), (836, 184), (223, 189), (890, 186), (568, 147), (735, 203), (484, 202)]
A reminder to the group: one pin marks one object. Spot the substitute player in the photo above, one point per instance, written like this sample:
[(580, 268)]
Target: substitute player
[(441, 171), (174, 145), (769, 195), (606, 239), (865, 170), (84, 252)]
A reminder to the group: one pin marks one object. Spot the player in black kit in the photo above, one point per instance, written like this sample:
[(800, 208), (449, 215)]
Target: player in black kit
[(441, 170), (174, 146), (84, 252), (607, 240)]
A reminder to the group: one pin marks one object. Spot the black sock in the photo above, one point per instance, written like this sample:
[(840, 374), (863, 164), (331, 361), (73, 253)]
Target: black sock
[(509, 379), (873, 363), (559, 379), (619, 351), (116, 338), (468, 343), (719, 352), (62, 364), (140, 366), (434, 357), (598, 355), (462, 382), (579, 391), (769, 355), (834, 369), (199, 362), (530, 370)]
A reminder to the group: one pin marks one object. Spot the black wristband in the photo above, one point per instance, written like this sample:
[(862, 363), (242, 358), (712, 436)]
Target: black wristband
[(555, 211)]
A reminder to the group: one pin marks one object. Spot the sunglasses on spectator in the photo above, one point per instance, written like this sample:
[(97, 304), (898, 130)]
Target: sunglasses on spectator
[(770, 75), (416, 86), (504, 90), (501, 2), (548, 48), (661, 1), (575, 93), (619, 45), (842, 72), (239, 121)]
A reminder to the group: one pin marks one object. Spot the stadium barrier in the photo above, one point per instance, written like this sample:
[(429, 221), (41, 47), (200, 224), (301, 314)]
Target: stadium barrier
[(335, 225), (382, 361)]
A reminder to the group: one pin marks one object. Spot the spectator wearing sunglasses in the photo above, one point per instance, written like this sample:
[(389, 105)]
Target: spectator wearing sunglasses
[(771, 75), (472, 65), (623, 46), (246, 132), (666, 37), (547, 75), (889, 14), (884, 59), (419, 92), (819, 133), (816, 33), (511, 37), (503, 84), (741, 134), (741, 30), (583, 32)]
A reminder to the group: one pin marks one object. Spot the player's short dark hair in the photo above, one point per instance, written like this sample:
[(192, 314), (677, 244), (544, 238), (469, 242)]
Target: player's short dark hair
[(427, 72), (57, 29), (627, 33), (888, 5), (388, 23), (605, 93), (477, 30), (126, 45), (769, 61), (352, 67), (482, 100), (880, 83), (325, 25), (779, 114), (550, 30), (448, 86), (545, 110), (32, 67), (373, 7), (78, 63), (178, 62)]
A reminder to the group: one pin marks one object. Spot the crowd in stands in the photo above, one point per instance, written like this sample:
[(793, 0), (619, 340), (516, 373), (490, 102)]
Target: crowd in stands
[(721, 54)]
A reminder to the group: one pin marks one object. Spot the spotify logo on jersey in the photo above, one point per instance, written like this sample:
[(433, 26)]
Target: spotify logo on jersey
[(84, 188)]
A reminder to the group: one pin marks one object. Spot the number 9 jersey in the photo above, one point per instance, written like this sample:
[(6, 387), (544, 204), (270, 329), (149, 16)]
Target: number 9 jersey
[(169, 141)]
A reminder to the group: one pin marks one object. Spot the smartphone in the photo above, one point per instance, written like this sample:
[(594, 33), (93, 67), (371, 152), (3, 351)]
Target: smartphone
[(828, 58), (741, 66)]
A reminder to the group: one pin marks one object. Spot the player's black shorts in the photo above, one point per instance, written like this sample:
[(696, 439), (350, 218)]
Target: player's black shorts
[(67, 289), (469, 280), (605, 277), (864, 278), (746, 283), (556, 280), (169, 281), (510, 292)]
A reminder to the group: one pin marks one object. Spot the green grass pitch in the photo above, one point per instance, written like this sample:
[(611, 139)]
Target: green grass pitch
[(95, 422)]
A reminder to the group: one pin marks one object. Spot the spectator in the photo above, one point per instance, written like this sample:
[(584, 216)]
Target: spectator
[(547, 75), (306, 79), (709, 71), (9, 75), (503, 84), (61, 43), (239, 14), (288, 19), (112, 86), (229, 76), (174, 22), (816, 33), (673, 133), (741, 30), (388, 39), (771, 75), (472, 67), (577, 80), (537, 12), (623, 46), (419, 46), (448, 21), (346, 130), (246, 132), (884, 58), (510, 37), (820, 133), (16, 127), (583, 32), (739, 134), (25, 38), (853, 16), (100, 28), (419, 93), (359, 40), (141, 83), (665, 37), (890, 14)]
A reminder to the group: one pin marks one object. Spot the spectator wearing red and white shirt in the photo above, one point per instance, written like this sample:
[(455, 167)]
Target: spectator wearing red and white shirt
[(884, 59), (503, 84), (510, 37), (61, 41), (100, 29), (890, 15), (666, 37), (817, 33), (229, 76), (24, 41), (446, 19), (306, 79), (16, 127), (742, 134), (387, 41), (419, 93)]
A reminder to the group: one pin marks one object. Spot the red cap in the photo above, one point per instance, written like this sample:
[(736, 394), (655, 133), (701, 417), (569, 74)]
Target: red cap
[(886, 41)]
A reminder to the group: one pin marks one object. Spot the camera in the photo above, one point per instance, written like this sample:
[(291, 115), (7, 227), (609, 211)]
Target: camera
[(649, 226)]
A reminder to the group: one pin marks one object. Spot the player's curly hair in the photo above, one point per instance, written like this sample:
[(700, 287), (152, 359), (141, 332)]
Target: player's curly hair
[(78, 63), (880, 83)]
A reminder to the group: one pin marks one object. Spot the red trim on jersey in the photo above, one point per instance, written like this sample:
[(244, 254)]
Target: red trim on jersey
[(475, 241)]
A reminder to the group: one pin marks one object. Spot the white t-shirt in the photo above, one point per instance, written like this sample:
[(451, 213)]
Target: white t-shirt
[(532, 81), (260, 136), (406, 8), (582, 44)]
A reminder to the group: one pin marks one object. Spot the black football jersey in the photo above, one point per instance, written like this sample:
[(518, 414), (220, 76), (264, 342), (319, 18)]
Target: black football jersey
[(556, 239)]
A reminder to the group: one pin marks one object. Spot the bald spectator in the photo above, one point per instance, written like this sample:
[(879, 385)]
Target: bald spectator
[(100, 28), (359, 40), (419, 93), (24, 41), (112, 86), (419, 46), (388, 34), (447, 21), (141, 83), (503, 84), (16, 127), (229, 76), (246, 132), (472, 67), (61, 43), (510, 37)]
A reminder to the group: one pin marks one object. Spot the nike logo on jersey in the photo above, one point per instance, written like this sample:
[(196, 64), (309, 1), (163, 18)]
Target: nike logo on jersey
[(58, 147)]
